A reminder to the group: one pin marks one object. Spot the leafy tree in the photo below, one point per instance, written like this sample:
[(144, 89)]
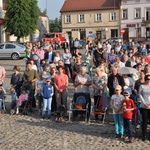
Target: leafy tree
[(45, 12), (21, 17), (55, 25)]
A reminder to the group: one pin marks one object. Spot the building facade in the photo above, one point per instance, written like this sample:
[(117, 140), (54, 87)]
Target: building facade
[(135, 19), (83, 18)]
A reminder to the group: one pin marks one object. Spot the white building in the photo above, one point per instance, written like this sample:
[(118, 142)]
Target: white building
[(135, 19)]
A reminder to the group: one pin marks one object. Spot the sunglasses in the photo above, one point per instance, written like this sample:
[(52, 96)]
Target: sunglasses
[(147, 79), (126, 95)]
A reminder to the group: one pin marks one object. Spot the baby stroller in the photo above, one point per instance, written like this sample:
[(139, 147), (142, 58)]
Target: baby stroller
[(2, 99), (25, 106), (81, 104)]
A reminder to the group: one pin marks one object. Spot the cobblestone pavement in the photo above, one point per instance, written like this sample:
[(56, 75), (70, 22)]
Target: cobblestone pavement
[(32, 133)]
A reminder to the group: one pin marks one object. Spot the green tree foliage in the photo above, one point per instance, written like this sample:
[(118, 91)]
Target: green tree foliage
[(21, 17), (55, 25), (44, 12)]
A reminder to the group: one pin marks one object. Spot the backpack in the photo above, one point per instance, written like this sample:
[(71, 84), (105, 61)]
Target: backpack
[(80, 102)]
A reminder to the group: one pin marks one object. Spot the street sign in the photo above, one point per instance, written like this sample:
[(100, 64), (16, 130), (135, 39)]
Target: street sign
[(122, 31)]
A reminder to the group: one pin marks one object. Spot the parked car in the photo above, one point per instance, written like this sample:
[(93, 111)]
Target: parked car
[(12, 50), (114, 39)]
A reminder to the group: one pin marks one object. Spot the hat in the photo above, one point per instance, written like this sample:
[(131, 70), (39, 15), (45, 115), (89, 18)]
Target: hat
[(48, 79), (126, 93), (118, 87)]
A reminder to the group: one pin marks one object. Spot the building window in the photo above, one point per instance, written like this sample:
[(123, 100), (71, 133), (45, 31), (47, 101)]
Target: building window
[(98, 17), (68, 19), (113, 16), (138, 13), (147, 13), (138, 32), (81, 18), (124, 14), (114, 32)]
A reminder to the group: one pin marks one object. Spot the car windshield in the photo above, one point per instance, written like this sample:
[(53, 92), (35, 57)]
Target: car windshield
[(49, 35)]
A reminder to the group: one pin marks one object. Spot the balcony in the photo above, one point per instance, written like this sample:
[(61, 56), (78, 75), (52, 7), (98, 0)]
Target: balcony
[(146, 20)]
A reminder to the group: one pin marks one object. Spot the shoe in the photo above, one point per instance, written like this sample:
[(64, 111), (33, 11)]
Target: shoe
[(116, 136), (126, 138), (57, 119), (43, 117), (48, 117), (121, 136), (131, 140), (61, 119), (138, 126)]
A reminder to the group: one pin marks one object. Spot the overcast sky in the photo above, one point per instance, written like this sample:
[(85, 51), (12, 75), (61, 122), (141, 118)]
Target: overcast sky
[(53, 7)]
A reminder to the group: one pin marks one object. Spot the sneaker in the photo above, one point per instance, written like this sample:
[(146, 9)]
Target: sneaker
[(138, 126), (57, 119), (121, 136), (131, 140), (126, 138), (43, 117)]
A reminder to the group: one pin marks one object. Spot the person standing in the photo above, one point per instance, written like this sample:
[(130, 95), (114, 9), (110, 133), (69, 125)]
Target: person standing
[(65, 45), (67, 61), (71, 44), (2, 75), (49, 55), (16, 80), (144, 92), (61, 88)]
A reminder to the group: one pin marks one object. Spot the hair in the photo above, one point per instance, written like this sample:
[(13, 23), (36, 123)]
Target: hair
[(83, 68), (147, 76), (16, 68), (57, 52), (60, 67)]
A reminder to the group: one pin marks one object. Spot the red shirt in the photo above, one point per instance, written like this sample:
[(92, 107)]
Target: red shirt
[(129, 105)]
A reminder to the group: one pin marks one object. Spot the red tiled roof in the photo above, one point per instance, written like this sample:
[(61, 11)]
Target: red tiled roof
[(80, 5)]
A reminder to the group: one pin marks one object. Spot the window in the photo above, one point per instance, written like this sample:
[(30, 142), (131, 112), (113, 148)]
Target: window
[(124, 14), (10, 46), (98, 17), (1, 46), (113, 16), (147, 13), (81, 18), (138, 13), (68, 19), (114, 32)]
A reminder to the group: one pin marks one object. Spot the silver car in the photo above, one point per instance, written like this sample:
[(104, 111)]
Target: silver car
[(12, 50)]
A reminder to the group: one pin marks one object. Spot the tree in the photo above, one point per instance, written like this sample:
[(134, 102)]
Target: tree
[(55, 25), (45, 12), (21, 17)]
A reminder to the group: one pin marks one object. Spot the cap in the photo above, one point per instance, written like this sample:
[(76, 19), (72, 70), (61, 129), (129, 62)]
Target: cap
[(126, 93), (48, 79), (118, 87)]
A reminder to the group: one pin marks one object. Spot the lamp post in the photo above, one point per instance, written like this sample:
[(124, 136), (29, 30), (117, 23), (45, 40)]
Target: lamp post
[(1, 16)]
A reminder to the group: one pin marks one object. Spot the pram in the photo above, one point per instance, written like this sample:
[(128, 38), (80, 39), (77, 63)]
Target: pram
[(2, 99), (81, 104), (26, 106)]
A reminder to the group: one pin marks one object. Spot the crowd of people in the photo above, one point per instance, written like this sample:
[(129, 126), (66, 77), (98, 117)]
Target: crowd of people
[(49, 73)]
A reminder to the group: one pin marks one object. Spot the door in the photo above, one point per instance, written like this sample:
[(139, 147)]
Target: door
[(9, 49), (126, 34), (98, 35)]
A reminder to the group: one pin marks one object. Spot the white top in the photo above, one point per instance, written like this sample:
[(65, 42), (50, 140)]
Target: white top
[(117, 102), (144, 94)]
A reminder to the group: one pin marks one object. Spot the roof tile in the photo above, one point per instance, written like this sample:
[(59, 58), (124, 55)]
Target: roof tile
[(80, 5)]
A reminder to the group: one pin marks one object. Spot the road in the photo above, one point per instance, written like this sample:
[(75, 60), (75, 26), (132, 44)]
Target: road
[(33, 133)]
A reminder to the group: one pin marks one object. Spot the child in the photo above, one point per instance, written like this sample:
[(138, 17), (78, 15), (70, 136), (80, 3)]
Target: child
[(128, 107), (2, 96), (116, 104), (47, 93), (13, 97), (23, 97)]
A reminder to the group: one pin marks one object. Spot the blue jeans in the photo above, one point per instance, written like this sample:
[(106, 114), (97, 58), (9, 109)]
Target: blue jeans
[(119, 125), (47, 104), (128, 127), (1, 104)]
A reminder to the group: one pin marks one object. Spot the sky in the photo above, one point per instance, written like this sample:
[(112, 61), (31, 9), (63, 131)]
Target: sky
[(53, 7)]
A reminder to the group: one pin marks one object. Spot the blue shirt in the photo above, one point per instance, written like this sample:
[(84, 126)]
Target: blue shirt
[(50, 56)]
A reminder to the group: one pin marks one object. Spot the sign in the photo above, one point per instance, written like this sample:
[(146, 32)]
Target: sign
[(122, 31), (131, 25), (1, 21)]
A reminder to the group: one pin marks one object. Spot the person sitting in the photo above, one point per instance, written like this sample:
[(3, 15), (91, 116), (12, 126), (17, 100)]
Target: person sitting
[(23, 97)]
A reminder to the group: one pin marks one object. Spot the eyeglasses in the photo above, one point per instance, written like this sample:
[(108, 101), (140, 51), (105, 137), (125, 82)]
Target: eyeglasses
[(117, 90), (126, 95)]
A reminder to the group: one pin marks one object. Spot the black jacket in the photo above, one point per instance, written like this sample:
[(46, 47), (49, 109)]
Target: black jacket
[(110, 83), (47, 55)]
